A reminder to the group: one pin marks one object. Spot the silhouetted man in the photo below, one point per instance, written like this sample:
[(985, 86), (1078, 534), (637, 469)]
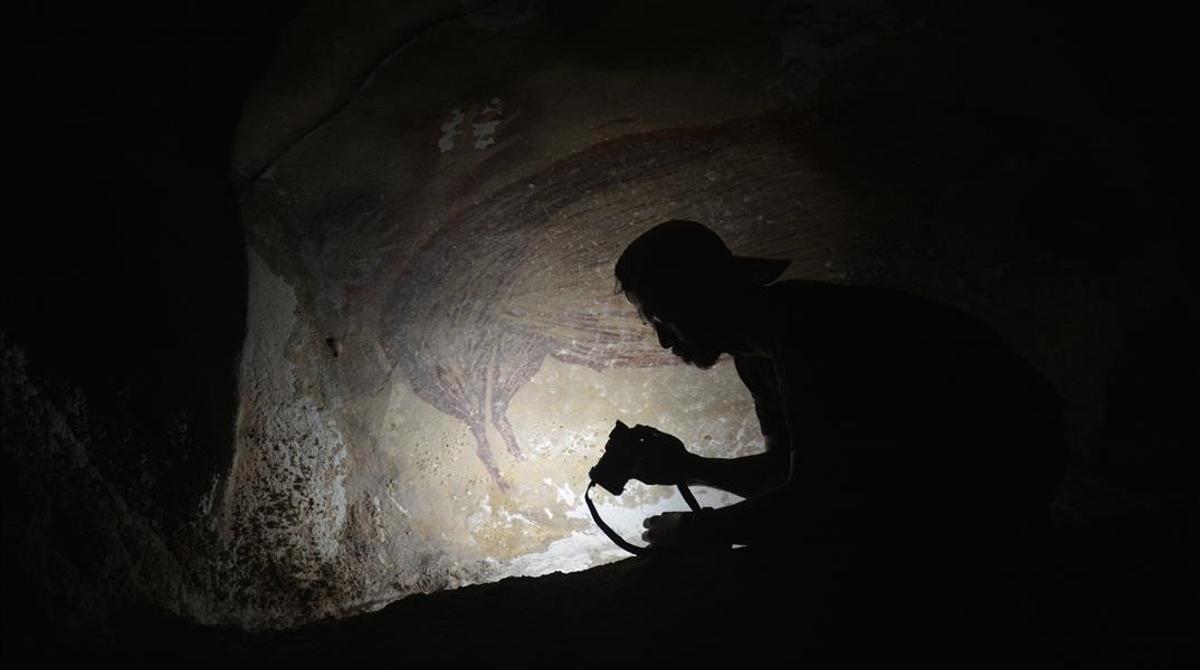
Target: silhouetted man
[(879, 410)]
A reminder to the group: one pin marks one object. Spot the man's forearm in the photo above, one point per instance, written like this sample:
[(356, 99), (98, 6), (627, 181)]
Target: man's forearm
[(747, 476), (752, 520)]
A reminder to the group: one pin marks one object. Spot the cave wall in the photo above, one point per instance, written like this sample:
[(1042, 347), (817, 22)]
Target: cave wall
[(124, 294), (448, 223), (310, 308)]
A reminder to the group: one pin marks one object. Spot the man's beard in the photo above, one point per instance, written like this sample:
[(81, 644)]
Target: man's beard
[(703, 360)]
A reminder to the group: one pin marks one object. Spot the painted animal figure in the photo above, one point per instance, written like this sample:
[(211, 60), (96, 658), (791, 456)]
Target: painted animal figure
[(527, 272)]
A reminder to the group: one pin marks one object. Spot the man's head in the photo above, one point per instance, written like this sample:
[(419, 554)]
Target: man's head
[(687, 284)]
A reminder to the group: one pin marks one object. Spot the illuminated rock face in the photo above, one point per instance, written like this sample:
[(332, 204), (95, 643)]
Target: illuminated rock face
[(526, 274), (435, 350), (428, 349)]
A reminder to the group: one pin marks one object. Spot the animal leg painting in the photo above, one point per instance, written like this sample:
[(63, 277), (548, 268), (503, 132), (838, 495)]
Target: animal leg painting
[(526, 272), (517, 360), (484, 451)]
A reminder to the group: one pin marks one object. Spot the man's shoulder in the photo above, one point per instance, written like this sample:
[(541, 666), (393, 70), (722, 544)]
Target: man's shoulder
[(792, 295), (800, 288), (810, 294), (805, 305)]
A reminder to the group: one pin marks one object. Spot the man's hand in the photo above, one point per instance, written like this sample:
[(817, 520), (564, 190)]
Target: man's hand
[(667, 530), (662, 458), (680, 531)]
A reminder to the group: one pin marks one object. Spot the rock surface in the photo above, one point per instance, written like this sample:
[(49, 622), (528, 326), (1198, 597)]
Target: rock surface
[(454, 226), (372, 349)]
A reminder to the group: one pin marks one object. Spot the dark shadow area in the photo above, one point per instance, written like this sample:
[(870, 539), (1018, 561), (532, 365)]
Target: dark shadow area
[(1148, 442), (1105, 596), (1055, 130), (124, 296)]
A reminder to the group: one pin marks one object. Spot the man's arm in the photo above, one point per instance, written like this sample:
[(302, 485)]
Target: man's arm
[(765, 480), (752, 520), (747, 476)]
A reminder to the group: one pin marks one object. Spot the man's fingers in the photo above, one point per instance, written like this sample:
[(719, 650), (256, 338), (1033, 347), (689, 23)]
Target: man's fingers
[(662, 529), (655, 536), (653, 533)]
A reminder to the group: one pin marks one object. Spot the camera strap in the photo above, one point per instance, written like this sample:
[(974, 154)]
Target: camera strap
[(612, 534)]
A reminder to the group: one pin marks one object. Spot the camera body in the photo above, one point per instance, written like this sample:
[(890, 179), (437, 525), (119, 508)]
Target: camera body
[(615, 467), (627, 449)]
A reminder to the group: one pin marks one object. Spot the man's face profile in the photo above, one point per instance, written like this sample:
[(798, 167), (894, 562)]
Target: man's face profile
[(684, 333), (686, 284)]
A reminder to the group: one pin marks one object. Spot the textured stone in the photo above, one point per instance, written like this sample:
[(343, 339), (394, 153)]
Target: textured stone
[(431, 352), (454, 227)]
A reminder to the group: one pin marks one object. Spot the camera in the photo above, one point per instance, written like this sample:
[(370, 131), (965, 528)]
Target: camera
[(625, 450), (615, 467)]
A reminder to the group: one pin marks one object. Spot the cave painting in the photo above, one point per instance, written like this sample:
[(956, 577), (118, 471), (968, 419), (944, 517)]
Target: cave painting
[(526, 273)]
